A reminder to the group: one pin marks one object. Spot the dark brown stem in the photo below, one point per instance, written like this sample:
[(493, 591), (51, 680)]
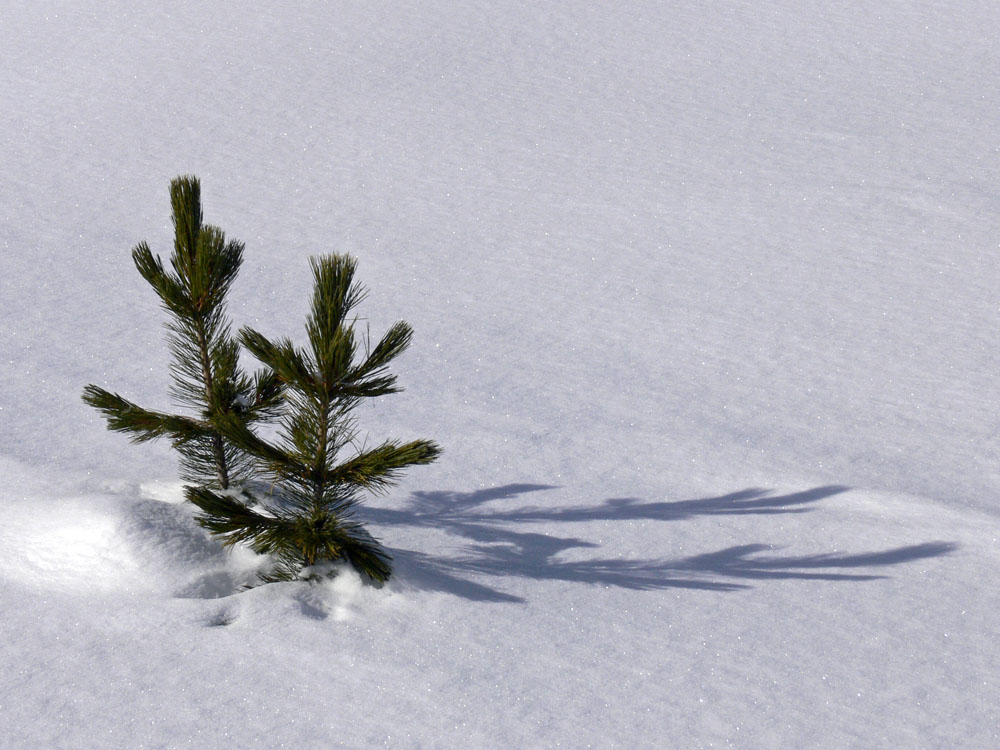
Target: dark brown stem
[(222, 472), (321, 458)]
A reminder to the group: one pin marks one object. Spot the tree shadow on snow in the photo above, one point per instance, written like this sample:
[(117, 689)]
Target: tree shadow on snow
[(496, 549)]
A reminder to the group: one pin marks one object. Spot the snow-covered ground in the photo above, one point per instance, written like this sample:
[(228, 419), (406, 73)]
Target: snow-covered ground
[(706, 300)]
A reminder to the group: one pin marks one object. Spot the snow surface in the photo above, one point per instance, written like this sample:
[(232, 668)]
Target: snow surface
[(706, 311)]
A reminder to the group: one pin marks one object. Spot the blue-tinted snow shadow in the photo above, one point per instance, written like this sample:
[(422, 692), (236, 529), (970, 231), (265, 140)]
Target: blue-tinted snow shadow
[(496, 549)]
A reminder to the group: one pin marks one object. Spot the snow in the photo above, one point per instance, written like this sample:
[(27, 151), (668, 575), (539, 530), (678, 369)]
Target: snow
[(705, 301)]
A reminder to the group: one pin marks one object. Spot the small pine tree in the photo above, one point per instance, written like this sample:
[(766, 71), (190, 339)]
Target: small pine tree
[(306, 520), (205, 367)]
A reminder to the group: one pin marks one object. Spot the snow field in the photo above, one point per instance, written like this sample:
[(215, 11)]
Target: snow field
[(705, 312)]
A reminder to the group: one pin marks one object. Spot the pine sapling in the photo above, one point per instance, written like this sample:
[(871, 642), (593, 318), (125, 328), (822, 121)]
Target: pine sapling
[(206, 374), (305, 522)]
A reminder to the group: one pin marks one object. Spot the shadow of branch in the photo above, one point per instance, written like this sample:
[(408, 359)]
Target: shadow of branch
[(496, 550), (460, 509)]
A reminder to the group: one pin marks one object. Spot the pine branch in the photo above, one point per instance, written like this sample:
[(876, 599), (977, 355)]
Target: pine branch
[(334, 296), (142, 424), (168, 287), (278, 461), (393, 343), (309, 539), (185, 205), (265, 399), (288, 363), (230, 519), (376, 469)]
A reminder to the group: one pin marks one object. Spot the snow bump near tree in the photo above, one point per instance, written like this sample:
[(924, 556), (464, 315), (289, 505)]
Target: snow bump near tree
[(705, 311)]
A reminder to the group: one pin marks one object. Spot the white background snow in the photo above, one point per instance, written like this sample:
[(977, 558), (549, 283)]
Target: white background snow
[(706, 309)]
